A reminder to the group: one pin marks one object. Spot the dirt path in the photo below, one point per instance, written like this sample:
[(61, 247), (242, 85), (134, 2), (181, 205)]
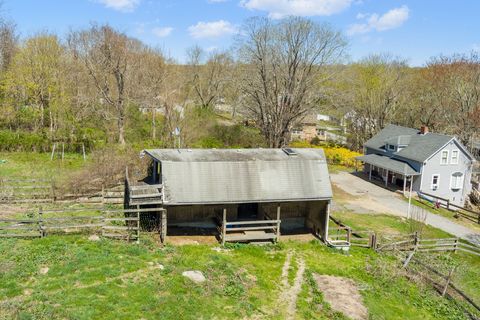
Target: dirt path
[(289, 293), (367, 197)]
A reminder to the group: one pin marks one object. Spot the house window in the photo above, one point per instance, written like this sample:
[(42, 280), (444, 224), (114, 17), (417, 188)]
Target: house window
[(435, 181), (456, 181), (454, 159), (444, 158)]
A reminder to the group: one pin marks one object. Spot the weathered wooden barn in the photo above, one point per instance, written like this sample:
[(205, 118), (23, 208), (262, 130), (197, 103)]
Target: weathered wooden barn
[(245, 194)]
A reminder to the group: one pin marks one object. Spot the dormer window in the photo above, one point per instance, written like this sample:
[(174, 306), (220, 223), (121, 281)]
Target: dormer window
[(391, 147)]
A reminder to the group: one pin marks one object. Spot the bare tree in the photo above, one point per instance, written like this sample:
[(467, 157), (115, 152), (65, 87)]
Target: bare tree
[(282, 63), (374, 93), (111, 59), (209, 75), (8, 43)]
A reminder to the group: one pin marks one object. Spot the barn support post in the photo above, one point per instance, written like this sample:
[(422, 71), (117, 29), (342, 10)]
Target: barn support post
[(278, 222), (386, 179), (224, 225), (154, 171), (370, 172), (327, 219), (163, 231), (138, 224)]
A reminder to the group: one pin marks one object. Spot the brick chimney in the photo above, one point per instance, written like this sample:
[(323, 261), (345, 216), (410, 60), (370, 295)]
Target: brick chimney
[(423, 129)]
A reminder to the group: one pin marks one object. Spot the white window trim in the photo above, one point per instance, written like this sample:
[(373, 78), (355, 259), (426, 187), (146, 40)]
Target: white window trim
[(438, 181), (462, 177), (456, 158), (441, 157)]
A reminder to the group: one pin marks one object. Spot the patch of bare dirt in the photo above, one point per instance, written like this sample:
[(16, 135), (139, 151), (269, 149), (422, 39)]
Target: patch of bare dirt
[(191, 239), (343, 296)]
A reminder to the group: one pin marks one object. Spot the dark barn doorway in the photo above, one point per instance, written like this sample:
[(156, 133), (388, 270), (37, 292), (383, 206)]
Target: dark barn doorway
[(247, 211)]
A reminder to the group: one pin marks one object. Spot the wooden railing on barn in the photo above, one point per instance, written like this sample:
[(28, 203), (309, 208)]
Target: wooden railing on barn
[(142, 193), (246, 231)]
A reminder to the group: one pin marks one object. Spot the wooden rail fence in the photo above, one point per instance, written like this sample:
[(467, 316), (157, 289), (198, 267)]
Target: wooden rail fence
[(468, 214), (110, 223), (45, 191)]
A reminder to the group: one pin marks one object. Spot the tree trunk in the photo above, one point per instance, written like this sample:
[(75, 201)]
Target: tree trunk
[(121, 130)]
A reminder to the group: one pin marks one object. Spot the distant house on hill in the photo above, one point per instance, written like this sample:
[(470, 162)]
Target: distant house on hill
[(434, 163), (245, 194), (310, 128)]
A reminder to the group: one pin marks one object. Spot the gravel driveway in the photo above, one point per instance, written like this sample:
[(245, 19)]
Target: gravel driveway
[(371, 198)]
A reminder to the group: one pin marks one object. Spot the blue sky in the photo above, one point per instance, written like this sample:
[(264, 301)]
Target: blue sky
[(413, 29)]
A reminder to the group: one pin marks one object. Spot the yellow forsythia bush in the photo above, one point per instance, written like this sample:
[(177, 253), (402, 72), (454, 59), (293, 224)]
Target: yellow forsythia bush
[(335, 154)]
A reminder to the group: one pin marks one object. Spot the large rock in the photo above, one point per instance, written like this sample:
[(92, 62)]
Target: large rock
[(195, 275)]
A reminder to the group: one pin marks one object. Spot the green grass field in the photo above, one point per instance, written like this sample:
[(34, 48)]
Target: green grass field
[(29, 165), (118, 280)]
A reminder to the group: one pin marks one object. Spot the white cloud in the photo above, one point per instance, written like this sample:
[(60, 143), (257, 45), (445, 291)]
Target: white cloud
[(120, 5), (278, 9), (212, 29), (162, 32), (390, 20)]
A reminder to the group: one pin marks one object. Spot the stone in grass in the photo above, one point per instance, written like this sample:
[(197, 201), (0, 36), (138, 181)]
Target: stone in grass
[(94, 237), (44, 270), (195, 275)]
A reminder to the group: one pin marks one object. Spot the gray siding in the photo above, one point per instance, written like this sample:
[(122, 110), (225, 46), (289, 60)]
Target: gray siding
[(433, 166)]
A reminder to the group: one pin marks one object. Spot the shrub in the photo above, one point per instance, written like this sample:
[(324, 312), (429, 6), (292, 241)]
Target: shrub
[(335, 154)]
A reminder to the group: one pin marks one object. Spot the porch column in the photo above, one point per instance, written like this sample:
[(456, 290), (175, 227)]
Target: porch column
[(410, 197), (404, 183), (370, 171), (278, 221), (386, 179)]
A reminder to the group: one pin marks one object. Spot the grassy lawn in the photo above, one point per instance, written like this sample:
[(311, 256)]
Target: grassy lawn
[(28, 165), (467, 277), (445, 213), (117, 280)]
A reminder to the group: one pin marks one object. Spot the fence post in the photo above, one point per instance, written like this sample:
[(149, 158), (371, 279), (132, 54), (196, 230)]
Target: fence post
[(349, 234), (455, 247), (373, 241), (449, 277), (40, 223), (448, 204), (415, 239)]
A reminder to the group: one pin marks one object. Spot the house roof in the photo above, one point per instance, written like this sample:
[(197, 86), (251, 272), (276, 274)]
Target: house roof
[(419, 146), (216, 176), (389, 164)]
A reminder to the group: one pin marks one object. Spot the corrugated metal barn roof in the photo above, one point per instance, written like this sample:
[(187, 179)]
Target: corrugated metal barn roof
[(203, 176)]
